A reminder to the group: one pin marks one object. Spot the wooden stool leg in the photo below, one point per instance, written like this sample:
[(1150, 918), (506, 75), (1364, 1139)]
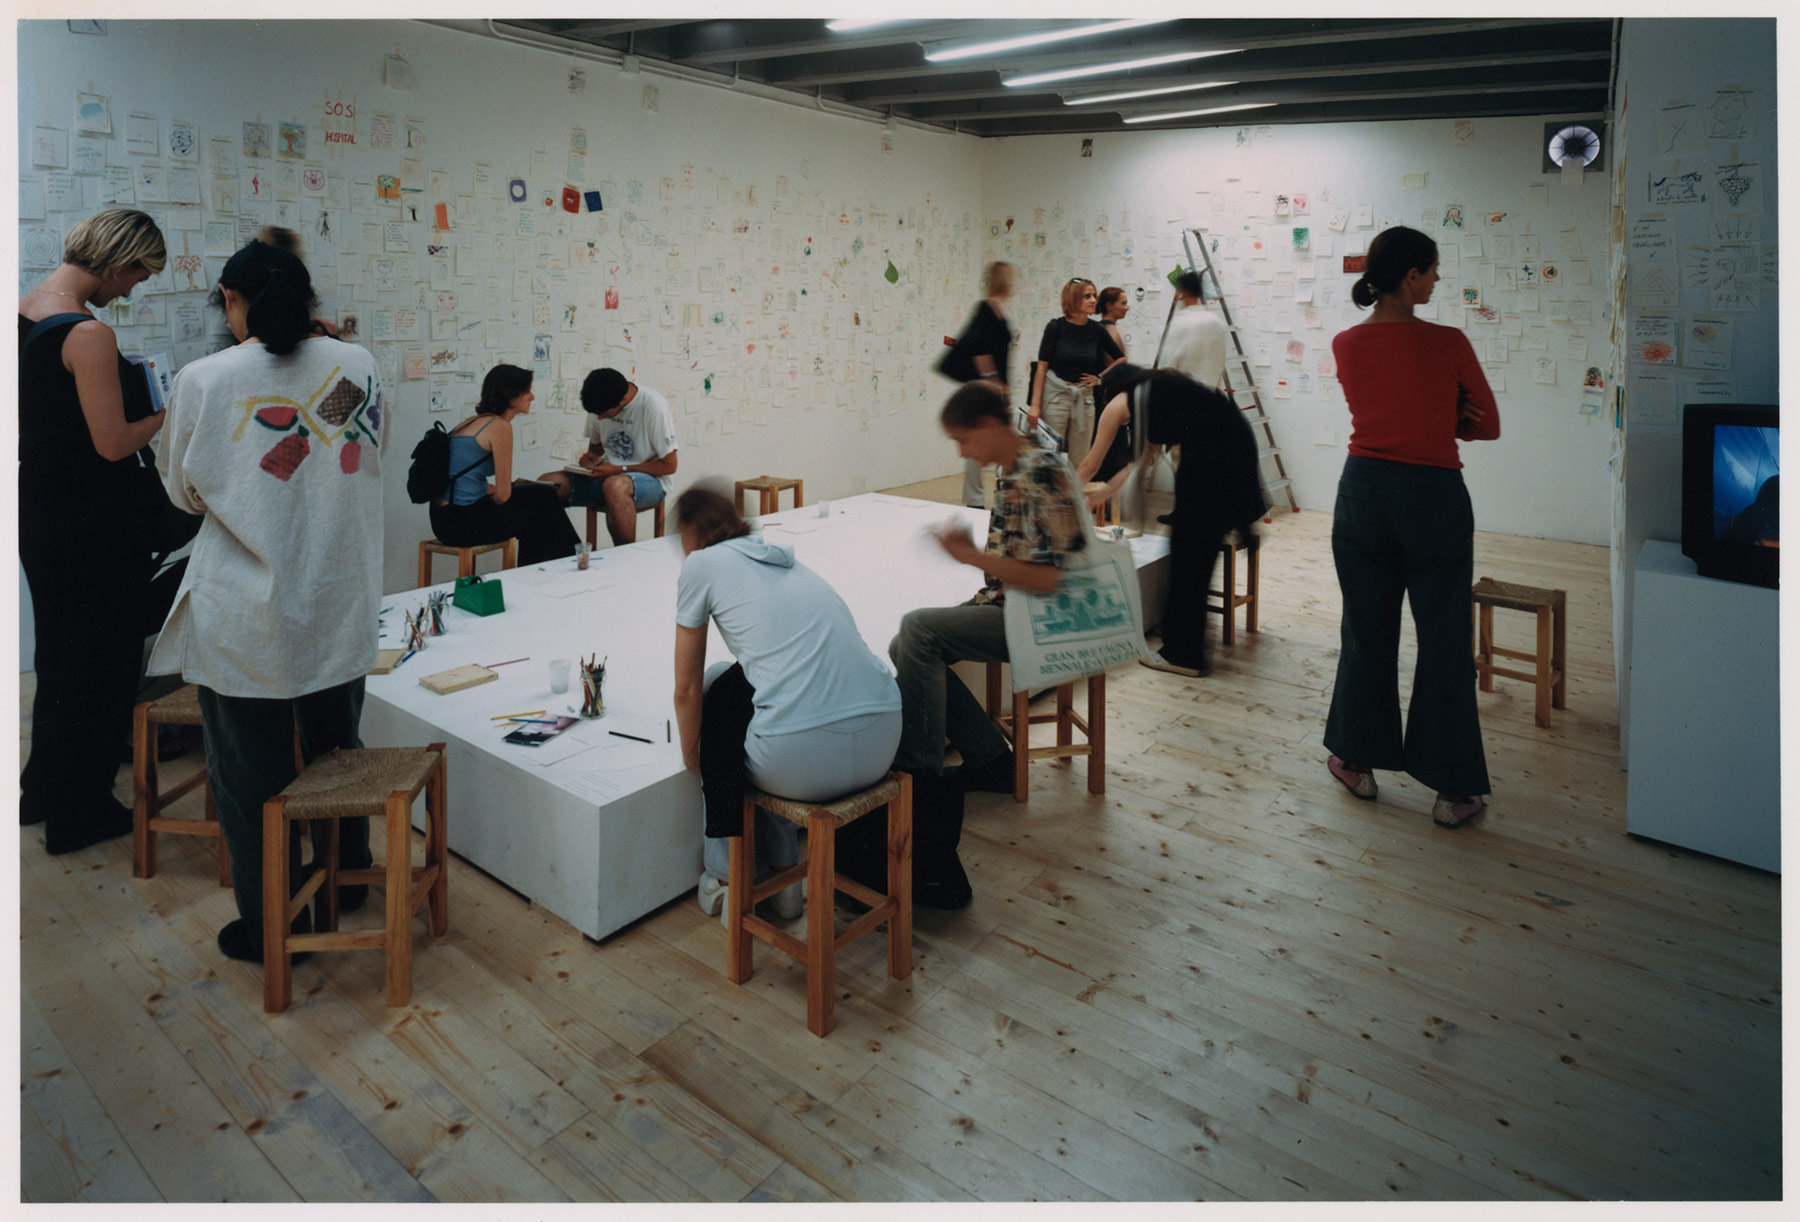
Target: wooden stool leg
[(424, 565), (770, 501), (278, 979), (437, 848), (899, 880), (465, 562), (1096, 713), (739, 955), (821, 931), (1065, 709), (509, 555), (1228, 634), (1252, 587), (1021, 744), (799, 493), (1559, 661), (659, 519), (143, 793), (1543, 665), (1484, 654), (593, 529), (398, 868)]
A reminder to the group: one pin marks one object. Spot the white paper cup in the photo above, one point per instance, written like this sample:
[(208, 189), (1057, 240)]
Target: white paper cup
[(559, 675)]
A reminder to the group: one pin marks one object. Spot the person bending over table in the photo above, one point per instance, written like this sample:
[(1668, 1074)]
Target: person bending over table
[(84, 526), (1217, 490), (806, 711), (471, 512), (1078, 350), (630, 455), (277, 443), (1033, 525)]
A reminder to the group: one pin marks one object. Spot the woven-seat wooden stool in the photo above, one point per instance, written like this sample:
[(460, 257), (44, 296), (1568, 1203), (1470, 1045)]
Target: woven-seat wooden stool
[(1109, 511), (1550, 667), (769, 488), (465, 556), (823, 938), (1015, 727), (593, 525), (1229, 598), (179, 708), (342, 785)]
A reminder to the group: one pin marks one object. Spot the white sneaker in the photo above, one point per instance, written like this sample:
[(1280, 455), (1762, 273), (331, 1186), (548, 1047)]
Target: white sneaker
[(711, 893)]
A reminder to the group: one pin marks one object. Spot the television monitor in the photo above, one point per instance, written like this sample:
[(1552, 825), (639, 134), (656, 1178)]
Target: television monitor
[(1730, 489)]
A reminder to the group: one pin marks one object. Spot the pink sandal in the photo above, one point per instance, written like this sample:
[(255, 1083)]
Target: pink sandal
[(1447, 813)]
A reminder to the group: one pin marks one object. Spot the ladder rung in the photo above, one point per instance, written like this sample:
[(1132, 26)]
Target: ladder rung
[(1268, 452), (1256, 419), (1275, 485)]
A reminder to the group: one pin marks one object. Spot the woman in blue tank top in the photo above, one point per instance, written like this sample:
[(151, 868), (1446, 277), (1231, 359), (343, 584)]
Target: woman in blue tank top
[(471, 512)]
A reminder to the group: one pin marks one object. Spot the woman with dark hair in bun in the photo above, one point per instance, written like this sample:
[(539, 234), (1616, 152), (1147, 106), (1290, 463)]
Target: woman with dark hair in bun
[(1403, 526), (277, 444)]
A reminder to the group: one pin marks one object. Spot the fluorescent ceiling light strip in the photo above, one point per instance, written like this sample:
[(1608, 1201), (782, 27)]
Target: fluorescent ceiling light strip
[(1145, 93), (1126, 65), (1188, 114), (971, 50), (843, 24)]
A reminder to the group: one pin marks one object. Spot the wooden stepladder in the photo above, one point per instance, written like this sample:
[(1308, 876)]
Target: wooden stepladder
[(1240, 375)]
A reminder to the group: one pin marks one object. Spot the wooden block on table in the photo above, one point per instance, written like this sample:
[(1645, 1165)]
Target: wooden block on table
[(458, 678), (386, 660)]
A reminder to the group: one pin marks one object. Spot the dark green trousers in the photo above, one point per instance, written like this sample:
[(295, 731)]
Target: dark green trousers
[(250, 759), (1406, 531)]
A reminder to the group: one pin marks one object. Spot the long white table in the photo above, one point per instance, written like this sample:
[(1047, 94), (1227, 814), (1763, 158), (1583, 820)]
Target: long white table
[(597, 828)]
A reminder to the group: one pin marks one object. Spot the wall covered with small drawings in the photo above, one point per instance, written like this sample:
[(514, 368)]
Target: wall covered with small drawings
[(1523, 256), (779, 274)]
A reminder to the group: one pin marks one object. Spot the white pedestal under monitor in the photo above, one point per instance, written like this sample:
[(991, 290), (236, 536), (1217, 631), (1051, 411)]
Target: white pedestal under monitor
[(1705, 754), (594, 826)]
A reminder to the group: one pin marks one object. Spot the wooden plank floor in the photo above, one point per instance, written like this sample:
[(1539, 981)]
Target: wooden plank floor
[(1223, 980)]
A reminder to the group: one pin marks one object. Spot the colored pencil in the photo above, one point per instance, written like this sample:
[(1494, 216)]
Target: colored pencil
[(634, 738), (510, 716)]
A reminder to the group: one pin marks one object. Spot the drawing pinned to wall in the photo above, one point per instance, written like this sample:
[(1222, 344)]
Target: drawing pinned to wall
[(892, 274), (1283, 205), (1462, 132), (338, 120), (592, 200), (1732, 115), (1706, 342), (1471, 295), (415, 133), (1365, 215), (1654, 340), (515, 190), (1413, 182), (1675, 187), (184, 140), (571, 200), (1452, 218), (92, 114), (1741, 185), (256, 140), (291, 139), (387, 186), (1302, 238)]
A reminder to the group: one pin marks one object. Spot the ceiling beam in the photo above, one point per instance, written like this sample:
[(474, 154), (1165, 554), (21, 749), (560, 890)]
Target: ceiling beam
[(593, 31)]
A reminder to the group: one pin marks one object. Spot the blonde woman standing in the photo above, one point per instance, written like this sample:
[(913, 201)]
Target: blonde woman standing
[(1076, 351), (981, 352)]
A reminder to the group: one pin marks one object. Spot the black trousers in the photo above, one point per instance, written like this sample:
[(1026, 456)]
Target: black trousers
[(89, 570), (250, 759), (725, 716), (1401, 530), (1193, 551), (532, 514)]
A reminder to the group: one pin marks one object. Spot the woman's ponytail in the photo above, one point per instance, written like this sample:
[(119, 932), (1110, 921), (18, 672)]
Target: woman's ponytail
[(279, 293), (1363, 292), (1392, 255)]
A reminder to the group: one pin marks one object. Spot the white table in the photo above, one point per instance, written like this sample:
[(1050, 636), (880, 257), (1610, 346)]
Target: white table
[(596, 828)]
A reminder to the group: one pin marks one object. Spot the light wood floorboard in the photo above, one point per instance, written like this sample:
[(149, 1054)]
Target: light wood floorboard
[(1225, 979)]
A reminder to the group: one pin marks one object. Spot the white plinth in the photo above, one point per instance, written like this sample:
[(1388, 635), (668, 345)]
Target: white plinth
[(600, 829), (1705, 756)]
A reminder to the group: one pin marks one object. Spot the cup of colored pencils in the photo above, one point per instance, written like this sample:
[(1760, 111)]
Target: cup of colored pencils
[(415, 629), (593, 681), (438, 601)]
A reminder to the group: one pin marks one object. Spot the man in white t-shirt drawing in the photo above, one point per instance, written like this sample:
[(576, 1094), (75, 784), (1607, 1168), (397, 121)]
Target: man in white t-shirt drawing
[(630, 455)]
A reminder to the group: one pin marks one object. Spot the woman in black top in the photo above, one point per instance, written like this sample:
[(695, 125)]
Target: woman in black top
[(84, 533), (1114, 306), (1077, 351), (982, 352)]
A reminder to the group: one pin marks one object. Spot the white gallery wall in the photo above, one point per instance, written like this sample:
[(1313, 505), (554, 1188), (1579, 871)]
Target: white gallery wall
[(1477, 187), (772, 267)]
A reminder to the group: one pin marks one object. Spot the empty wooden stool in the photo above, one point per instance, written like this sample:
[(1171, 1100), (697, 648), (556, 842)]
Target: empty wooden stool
[(1109, 511), (1549, 671), (347, 784), (465, 556), (769, 489), (593, 531), (823, 939), (1015, 727), (1229, 598), (179, 708)]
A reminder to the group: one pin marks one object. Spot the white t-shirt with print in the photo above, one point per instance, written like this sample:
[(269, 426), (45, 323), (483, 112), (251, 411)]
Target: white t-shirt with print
[(643, 431)]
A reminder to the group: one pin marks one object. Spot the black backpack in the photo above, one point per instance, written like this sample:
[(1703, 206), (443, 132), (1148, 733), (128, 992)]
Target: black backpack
[(429, 476)]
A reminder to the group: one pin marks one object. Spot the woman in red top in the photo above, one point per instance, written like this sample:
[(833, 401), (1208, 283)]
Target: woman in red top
[(1403, 526)]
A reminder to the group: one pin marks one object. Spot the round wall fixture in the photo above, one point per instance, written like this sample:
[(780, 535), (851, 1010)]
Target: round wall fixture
[(1571, 144)]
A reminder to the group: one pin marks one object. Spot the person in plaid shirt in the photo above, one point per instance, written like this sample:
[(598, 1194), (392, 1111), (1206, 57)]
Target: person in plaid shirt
[(1034, 524)]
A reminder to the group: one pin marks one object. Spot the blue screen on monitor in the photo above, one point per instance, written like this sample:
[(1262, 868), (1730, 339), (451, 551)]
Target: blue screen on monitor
[(1745, 484)]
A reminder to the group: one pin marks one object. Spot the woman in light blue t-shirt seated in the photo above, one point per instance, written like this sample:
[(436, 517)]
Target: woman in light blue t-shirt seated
[(808, 711)]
